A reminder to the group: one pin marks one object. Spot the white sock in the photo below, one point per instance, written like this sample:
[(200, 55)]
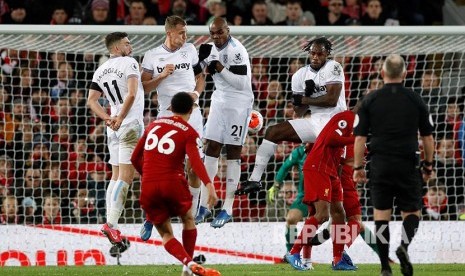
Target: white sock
[(186, 269), (195, 192), (264, 153), (233, 174), (211, 164), (118, 199), (108, 196)]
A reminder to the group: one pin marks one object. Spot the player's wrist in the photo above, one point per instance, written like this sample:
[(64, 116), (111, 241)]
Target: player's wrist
[(196, 93), (358, 168)]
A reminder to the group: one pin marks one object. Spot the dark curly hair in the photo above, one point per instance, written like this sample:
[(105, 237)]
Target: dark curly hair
[(320, 41)]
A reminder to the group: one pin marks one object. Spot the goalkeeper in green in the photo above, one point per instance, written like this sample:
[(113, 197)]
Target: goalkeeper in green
[(298, 210)]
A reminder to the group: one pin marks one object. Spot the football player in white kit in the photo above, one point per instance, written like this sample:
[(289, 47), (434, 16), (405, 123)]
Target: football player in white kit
[(228, 63), (171, 68), (318, 94), (119, 80)]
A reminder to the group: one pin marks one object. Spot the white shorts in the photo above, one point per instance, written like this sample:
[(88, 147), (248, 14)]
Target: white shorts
[(196, 121), (227, 124), (309, 128), (121, 143)]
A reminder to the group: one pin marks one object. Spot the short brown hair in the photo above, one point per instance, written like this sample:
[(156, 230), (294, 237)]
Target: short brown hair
[(172, 21)]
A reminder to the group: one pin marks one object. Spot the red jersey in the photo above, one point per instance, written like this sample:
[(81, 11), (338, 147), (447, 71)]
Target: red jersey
[(161, 151), (326, 153)]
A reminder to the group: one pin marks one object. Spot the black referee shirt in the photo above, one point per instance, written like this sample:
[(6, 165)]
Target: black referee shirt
[(393, 115)]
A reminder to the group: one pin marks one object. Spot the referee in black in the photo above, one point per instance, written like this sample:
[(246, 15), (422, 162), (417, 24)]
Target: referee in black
[(393, 115)]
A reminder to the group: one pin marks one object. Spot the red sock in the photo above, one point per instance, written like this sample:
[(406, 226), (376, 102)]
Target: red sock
[(174, 247), (338, 240), (307, 251), (354, 230), (188, 241), (307, 233)]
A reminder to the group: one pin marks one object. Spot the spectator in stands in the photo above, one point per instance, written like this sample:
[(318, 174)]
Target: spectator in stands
[(181, 9), (13, 120), (137, 13), (18, 13), (277, 209), (59, 16), (65, 80), (41, 106), (51, 211), (23, 85), (97, 179), (29, 211), (9, 213), (435, 204), (99, 13), (216, 8), (83, 208), (295, 16), (31, 185), (450, 120), (276, 10), (249, 150), (260, 14), (334, 15), (448, 170), (6, 175), (353, 9), (260, 79), (374, 15), (9, 61), (430, 92), (274, 103)]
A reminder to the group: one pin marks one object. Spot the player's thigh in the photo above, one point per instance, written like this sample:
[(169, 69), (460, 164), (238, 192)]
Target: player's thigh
[(128, 136), (113, 147), (351, 203), (299, 205), (317, 186), (308, 128)]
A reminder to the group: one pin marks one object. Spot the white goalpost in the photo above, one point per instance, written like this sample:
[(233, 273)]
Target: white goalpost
[(55, 147)]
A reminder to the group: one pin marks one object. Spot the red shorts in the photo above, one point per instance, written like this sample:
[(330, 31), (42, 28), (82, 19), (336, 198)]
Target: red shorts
[(351, 200), (321, 186), (164, 199)]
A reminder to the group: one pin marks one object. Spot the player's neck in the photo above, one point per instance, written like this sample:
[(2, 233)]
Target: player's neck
[(170, 45), (185, 117)]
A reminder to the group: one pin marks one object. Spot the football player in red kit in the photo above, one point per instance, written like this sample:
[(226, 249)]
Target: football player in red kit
[(159, 157)]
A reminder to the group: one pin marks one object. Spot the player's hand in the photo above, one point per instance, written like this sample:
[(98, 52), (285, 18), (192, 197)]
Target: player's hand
[(211, 68), (426, 170), (109, 122), (309, 87), (204, 51), (168, 70), (297, 99), (360, 176), (117, 123), (212, 197), (273, 192)]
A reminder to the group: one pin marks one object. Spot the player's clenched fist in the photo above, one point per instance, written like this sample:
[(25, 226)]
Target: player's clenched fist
[(168, 70), (204, 51)]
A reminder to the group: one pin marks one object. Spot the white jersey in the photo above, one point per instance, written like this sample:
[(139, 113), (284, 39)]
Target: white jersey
[(111, 79), (239, 88), (330, 72), (183, 77)]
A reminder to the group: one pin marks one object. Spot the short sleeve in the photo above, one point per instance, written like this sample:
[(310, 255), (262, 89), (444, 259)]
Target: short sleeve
[(298, 81), (147, 62), (132, 69), (334, 73)]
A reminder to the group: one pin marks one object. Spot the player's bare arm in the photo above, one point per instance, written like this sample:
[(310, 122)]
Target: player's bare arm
[(328, 100), (150, 83), (92, 102), (199, 85), (133, 83)]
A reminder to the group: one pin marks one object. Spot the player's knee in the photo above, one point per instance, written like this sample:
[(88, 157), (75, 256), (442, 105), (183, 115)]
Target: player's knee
[(322, 217), (291, 220)]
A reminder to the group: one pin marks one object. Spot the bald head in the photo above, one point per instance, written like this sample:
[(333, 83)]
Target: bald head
[(218, 23), (394, 67)]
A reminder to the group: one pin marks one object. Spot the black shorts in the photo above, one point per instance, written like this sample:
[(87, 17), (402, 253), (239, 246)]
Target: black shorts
[(395, 177)]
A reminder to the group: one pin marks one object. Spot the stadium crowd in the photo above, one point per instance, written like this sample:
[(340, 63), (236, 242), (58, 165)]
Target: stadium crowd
[(53, 151)]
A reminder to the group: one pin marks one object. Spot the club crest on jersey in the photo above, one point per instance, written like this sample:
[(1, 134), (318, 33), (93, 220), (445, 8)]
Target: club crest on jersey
[(237, 58), (336, 70), (183, 54), (225, 59), (135, 67)]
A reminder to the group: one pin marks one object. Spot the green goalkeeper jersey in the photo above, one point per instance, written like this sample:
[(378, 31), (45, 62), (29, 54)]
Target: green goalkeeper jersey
[(297, 157)]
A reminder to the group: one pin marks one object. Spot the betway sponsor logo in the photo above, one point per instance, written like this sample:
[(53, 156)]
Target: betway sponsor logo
[(184, 65)]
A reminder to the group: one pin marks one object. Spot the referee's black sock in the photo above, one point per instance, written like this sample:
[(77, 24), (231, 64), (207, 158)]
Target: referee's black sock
[(382, 241), (410, 226)]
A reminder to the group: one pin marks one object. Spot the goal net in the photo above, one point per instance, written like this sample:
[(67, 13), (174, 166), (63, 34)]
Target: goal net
[(53, 149)]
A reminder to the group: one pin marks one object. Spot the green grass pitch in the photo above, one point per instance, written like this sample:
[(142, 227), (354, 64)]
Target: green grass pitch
[(226, 270)]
